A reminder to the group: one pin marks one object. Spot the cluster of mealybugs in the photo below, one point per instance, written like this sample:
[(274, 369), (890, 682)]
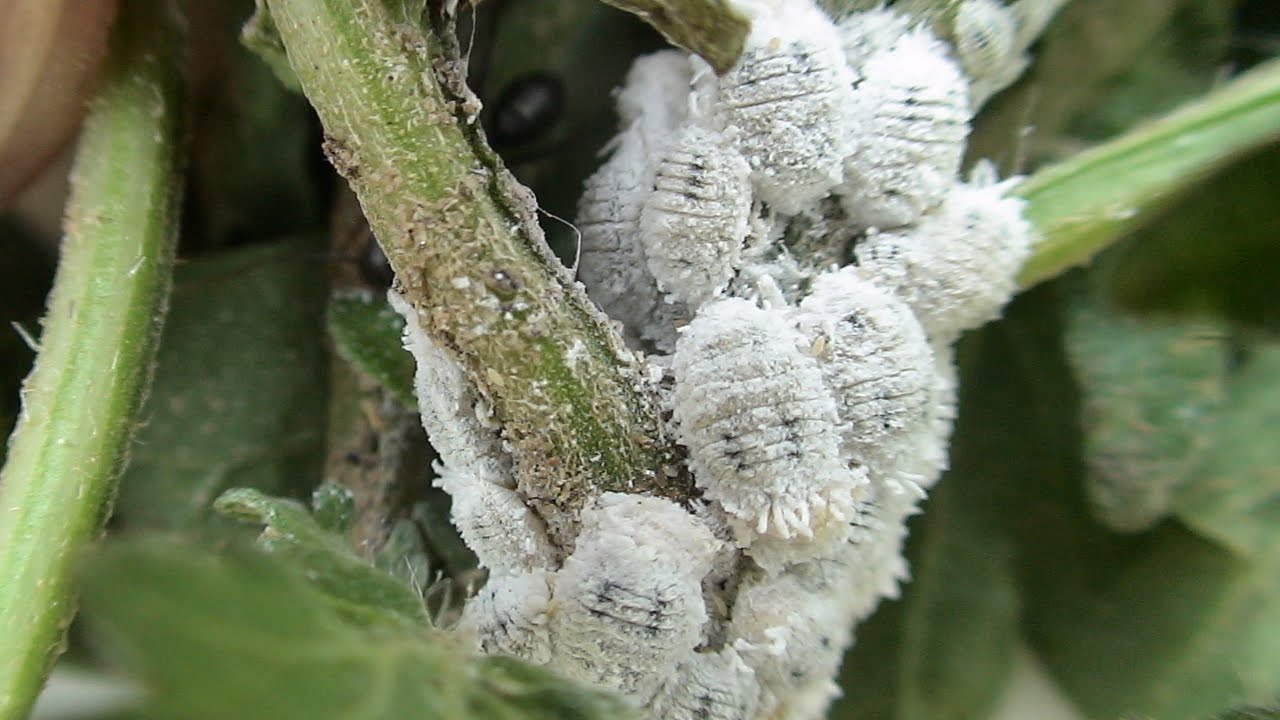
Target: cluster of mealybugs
[(814, 401)]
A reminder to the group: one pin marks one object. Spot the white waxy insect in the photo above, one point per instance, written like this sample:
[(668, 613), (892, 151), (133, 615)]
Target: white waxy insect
[(509, 616), (913, 105), (958, 266), (785, 104), (876, 362), (474, 469), (792, 630), (627, 605), (447, 402), (985, 35), (708, 686), (872, 567), (504, 533), (868, 33), (611, 261), (694, 222), (760, 425)]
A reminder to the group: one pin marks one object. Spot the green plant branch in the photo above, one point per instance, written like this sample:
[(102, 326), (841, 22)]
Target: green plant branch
[(80, 403), (712, 29), (462, 236), (1083, 204)]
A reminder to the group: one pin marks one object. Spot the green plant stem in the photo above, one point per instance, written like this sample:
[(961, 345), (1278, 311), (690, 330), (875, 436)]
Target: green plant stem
[(463, 239), (81, 400), (712, 29), (1083, 204)]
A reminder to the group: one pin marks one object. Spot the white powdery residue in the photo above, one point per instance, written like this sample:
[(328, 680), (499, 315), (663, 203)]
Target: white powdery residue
[(694, 222), (759, 423), (708, 686), (958, 267), (785, 102), (509, 616), (655, 97), (913, 120), (475, 469), (876, 362), (627, 606)]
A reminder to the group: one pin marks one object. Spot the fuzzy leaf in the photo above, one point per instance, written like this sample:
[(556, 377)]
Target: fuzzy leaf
[(1151, 393), (240, 634), (1176, 627), (1234, 495), (238, 397), (366, 332), (326, 558)]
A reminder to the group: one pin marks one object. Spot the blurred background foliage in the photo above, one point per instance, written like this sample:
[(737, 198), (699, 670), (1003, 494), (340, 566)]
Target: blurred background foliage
[(1113, 503)]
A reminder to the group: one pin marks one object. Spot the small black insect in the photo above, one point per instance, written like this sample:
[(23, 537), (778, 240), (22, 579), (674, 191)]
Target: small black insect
[(527, 108)]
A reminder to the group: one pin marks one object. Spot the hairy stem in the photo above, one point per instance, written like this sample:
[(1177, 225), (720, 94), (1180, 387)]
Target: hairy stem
[(463, 239), (1085, 203), (81, 400)]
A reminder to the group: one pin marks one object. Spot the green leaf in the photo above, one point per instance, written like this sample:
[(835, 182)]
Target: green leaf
[(1152, 389), (326, 558), (241, 634), (1183, 60), (261, 37), (1212, 252), (238, 398), (1233, 496), (1168, 625), (367, 333)]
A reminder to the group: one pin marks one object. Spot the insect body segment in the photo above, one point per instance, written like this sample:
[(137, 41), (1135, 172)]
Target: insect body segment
[(785, 103), (758, 421), (958, 266), (695, 220), (628, 601), (876, 362), (915, 109)]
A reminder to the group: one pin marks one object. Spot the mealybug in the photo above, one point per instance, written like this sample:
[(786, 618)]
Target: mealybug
[(876, 362), (627, 605), (913, 106), (785, 102), (958, 266), (611, 260), (509, 616), (759, 423), (500, 529), (695, 220)]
